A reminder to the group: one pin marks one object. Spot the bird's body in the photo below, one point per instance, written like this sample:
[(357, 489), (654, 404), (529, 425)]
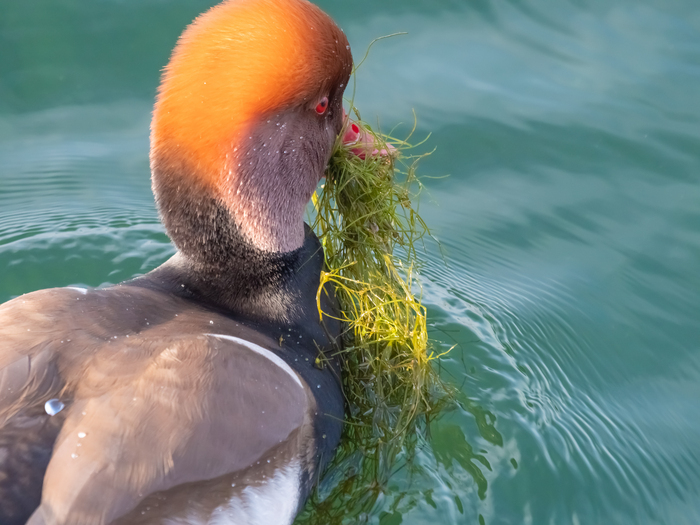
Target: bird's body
[(206, 391), (162, 387)]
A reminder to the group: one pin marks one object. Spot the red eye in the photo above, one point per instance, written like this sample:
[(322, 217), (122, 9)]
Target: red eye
[(322, 106)]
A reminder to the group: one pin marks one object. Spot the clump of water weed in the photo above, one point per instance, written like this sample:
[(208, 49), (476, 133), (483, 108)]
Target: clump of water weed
[(371, 234)]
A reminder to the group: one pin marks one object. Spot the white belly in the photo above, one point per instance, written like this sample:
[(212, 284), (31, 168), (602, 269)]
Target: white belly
[(273, 502)]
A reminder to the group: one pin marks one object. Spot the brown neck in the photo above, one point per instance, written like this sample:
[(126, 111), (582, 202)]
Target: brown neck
[(216, 261), (218, 264)]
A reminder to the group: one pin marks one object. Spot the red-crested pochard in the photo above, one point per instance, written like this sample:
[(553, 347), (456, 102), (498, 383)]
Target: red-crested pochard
[(194, 394)]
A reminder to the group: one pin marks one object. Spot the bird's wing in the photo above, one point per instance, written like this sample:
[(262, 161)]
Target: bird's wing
[(202, 408), (34, 329), (146, 413)]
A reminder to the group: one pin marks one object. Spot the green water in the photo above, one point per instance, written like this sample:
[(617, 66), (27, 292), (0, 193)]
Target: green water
[(569, 222)]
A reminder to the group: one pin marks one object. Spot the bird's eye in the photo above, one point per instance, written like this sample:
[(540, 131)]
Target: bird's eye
[(322, 106)]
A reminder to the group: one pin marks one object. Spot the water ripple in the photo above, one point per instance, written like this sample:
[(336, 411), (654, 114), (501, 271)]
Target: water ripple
[(542, 377)]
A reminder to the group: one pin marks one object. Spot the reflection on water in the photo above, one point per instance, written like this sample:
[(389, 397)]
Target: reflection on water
[(450, 444), (570, 225)]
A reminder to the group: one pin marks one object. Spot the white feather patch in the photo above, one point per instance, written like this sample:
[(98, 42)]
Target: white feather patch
[(263, 352), (274, 502)]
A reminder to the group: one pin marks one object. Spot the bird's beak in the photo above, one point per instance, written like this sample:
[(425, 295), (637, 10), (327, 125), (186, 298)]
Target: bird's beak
[(363, 142)]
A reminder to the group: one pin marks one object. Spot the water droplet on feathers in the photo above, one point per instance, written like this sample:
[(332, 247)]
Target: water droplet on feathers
[(53, 407)]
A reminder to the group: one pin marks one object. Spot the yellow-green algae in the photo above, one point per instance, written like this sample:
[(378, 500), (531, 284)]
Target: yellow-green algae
[(371, 234)]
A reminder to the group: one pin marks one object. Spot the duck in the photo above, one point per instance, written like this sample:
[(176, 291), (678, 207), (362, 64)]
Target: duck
[(208, 390)]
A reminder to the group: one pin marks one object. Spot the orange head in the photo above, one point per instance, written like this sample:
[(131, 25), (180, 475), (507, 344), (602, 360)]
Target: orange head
[(246, 115)]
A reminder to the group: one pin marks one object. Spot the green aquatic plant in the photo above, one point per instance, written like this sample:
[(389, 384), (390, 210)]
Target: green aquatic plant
[(372, 234)]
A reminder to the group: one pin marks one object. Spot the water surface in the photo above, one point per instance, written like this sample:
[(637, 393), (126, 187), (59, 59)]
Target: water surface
[(570, 224)]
